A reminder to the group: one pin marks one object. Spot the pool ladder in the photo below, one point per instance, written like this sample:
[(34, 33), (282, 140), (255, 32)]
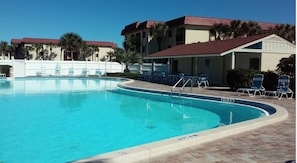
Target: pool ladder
[(182, 88)]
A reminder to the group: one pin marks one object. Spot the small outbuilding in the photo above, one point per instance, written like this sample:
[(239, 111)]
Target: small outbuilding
[(215, 58)]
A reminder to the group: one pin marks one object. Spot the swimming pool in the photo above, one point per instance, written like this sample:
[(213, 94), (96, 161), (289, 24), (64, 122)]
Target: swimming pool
[(64, 119)]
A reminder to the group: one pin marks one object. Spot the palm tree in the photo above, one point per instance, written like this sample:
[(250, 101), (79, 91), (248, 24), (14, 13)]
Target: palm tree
[(71, 42), (51, 45), (235, 28), (26, 50), (159, 31), (87, 51), (286, 31), (93, 49), (12, 49), (287, 65), (4, 48), (39, 50), (220, 31), (124, 57), (253, 29), (110, 56), (129, 43)]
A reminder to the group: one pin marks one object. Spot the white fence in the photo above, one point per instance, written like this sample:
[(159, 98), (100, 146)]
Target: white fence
[(23, 68)]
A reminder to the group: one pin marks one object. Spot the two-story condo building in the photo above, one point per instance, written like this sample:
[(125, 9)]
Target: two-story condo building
[(50, 49), (183, 30)]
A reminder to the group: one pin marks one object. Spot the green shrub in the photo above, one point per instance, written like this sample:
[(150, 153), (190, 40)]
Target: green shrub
[(240, 78), (270, 80), (5, 69)]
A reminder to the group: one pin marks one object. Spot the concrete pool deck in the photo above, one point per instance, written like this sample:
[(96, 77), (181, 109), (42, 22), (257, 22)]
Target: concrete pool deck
[(272, 143)]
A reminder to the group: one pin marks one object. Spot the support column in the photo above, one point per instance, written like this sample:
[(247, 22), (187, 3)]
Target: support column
[(169, 65), (153, 66), (196, 66), (233, 60)]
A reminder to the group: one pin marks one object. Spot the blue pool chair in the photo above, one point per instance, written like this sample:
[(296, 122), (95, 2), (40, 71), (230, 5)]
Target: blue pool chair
[(282, 88), (256, 87)]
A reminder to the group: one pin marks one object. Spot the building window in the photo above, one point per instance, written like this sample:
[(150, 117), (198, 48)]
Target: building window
[(254, 63), (180, 36), (143, 34)]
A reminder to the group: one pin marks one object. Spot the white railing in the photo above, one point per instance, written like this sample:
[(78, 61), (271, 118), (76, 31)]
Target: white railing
[(182, 88), (175, 85)]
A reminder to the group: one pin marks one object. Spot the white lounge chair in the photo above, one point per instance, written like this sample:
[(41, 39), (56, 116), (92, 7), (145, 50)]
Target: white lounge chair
[(256, 86), (84, 72), (98, 72), (203, 79), (71, 72), (282, 88), (58, 70)]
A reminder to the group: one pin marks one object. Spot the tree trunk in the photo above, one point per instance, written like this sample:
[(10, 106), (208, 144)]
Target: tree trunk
[(126, 68), (71, 52)]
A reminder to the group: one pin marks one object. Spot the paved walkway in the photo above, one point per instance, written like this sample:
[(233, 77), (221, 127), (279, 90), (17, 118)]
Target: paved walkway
[(275, 143)]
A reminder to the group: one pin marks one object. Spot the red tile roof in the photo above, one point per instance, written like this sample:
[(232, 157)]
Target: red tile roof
[(205, 48), (139, 25), (16, 41), (204, 21), (40, 40), (102, 44), (56, 41), (187, 20), (148, 24), (130, 27)]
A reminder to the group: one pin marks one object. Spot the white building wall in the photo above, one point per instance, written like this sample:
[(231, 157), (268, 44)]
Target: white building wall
[(194, 36), (274, 49), (103, 51), (59, 55), (269, 61), (278, 45)]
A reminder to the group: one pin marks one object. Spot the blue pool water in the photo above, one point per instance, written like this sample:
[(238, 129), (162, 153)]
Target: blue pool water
[(65, 119)]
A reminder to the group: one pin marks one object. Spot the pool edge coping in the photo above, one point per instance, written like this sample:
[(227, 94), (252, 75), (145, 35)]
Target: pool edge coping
[(166, 146)]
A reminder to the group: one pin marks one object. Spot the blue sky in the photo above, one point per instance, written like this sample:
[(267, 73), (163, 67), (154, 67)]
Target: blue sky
[(98, 20)]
